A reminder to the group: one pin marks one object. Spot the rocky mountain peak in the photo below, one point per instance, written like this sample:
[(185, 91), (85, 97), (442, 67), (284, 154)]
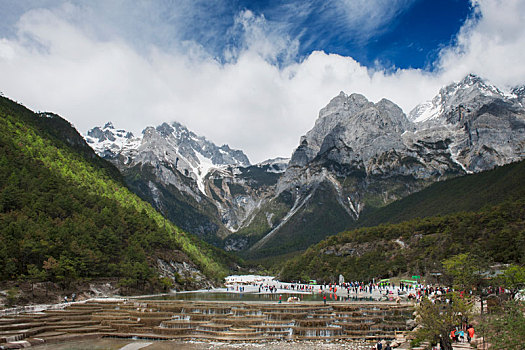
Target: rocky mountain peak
[(471, 93), (471, 79), (352, 122), (342, 102), (109, 125), (172, 145), (480, 84), (478, 119), (108, 132), (107, 142), (165, 129), (337, 112), (358, 156), (519, 92), (397, 118)]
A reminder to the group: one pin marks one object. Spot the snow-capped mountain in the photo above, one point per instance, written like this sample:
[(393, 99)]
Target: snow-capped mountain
[(108, 142), (362, 155), (355, 158), (174, 145), (179, 173), (359, 156), (482, 125), (472, 91)]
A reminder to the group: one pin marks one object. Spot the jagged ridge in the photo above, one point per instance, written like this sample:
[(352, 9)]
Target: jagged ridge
[(361, 155)]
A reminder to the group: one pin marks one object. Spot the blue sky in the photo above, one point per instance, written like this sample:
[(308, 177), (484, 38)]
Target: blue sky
[(388, 33), (252, 74), (402, 34)]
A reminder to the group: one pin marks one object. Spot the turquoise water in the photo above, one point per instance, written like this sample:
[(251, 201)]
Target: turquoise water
[(225, 296)]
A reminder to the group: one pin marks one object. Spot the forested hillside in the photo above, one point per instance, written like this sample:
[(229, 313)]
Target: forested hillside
[(482, 213), (416, 247), (66, 215), (465, 193)]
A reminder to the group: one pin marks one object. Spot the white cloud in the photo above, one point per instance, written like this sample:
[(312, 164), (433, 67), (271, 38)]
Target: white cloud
[(249, 102), (367, 18), (492, 46), (260, 37)]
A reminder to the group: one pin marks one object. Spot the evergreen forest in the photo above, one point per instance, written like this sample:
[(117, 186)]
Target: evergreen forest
[(66, 215), (493, 235)]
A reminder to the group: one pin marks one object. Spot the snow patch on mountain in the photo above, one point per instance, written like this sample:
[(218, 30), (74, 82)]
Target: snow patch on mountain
[(107, 141), (204, 167), (275, 165), (172, 144), (427, 110), (452, 96)]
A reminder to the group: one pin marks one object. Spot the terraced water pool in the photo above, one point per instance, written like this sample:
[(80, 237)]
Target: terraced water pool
[(263, 297)]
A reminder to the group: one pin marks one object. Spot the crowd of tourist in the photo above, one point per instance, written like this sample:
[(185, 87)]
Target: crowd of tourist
[(464, 333), (377, 290)]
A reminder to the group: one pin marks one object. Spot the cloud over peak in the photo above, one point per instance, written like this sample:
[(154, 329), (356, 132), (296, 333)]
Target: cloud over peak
[(256, 92)]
